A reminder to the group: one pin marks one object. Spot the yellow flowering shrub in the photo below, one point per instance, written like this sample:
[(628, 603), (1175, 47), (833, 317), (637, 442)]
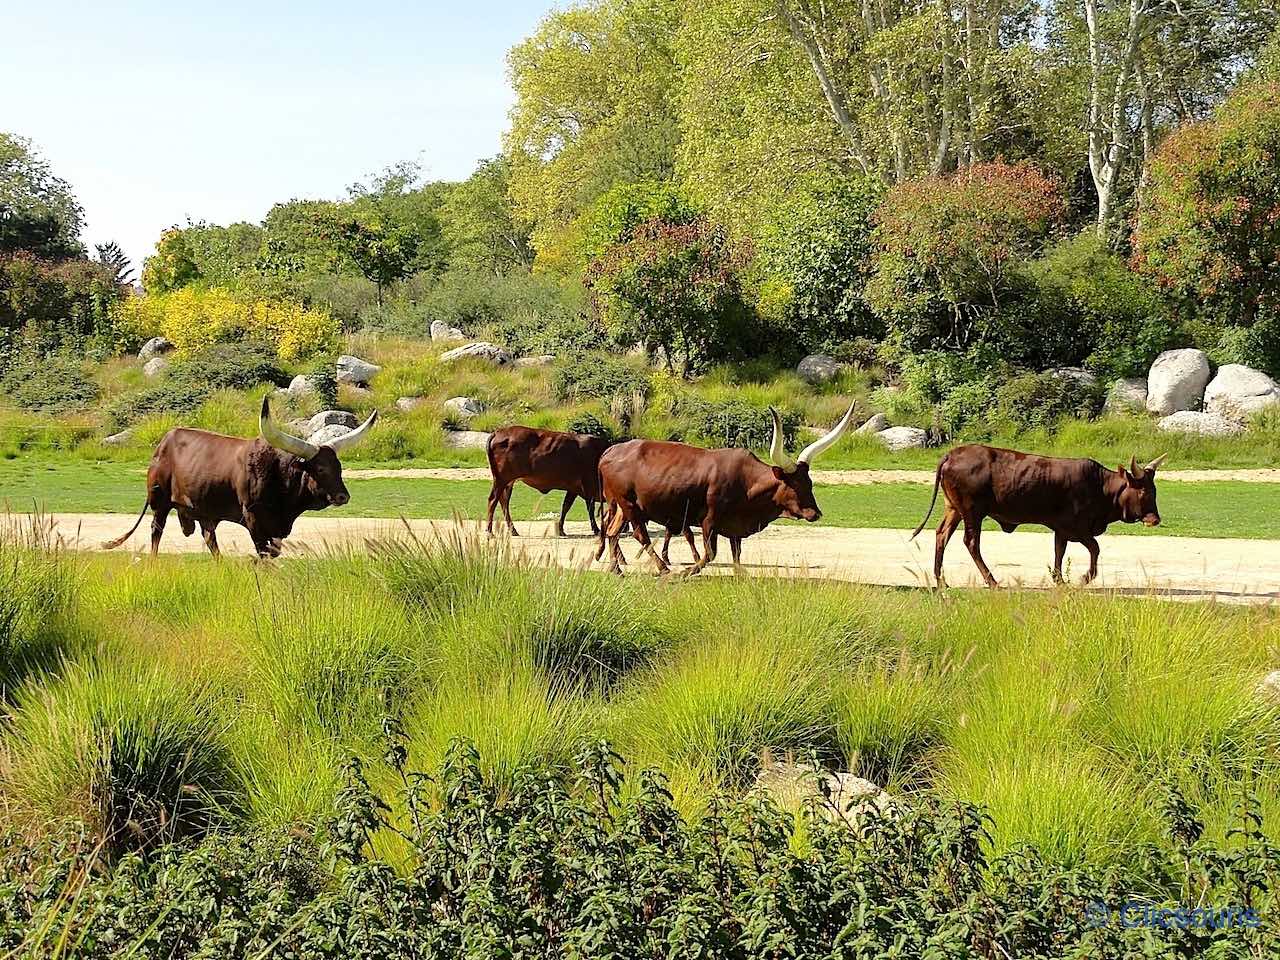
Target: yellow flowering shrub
[(199, 316)]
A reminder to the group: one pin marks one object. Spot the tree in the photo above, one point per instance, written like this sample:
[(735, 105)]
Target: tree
[(1209, 229), (947, 249), (38, 212), (673, 288), (173, 264), (594, 87), (480, 227), (384, 253), (115, 262)]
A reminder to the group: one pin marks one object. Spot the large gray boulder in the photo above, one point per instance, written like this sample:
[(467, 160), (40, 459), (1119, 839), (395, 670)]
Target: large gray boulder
[(155, 347), (876, 423), (1176, 381), (441, 331), (355, 371), (463, 408), (328, 434), (1127, 395), (331, 418), (301, 386), (818, 368), (1237, 391), (466, 439), (1204, 424), (836, 795), (482, 350), (155, 366), (903, 438)]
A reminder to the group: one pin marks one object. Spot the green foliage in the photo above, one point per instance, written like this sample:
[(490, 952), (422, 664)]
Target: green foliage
[(479, 222), (589, 424), (1208, 233), (616, 215), (732, 423), (38, 212), (600, 376), (49, 305), (1032, 401), (50, 384)]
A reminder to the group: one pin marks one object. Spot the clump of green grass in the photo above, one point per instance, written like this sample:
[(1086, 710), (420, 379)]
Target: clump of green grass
[(134, 752)]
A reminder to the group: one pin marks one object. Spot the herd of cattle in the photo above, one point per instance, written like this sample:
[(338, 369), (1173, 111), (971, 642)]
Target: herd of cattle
[(266, 483)]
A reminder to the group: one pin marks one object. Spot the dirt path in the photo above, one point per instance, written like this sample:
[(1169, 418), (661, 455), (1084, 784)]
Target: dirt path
[(1182, 567), (832, 477)]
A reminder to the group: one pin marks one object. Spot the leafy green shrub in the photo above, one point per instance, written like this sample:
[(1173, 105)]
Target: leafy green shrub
[(732, 423), (526, 313), (589, 424), (1255, 346), (52, 384), (599, 376), (1038, 400)]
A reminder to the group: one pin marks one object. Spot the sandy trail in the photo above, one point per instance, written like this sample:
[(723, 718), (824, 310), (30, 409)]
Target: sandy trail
[(1182, 567), (831, 477)]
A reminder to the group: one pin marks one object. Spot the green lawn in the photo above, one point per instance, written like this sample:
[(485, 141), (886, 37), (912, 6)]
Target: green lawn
[(1217, 509)]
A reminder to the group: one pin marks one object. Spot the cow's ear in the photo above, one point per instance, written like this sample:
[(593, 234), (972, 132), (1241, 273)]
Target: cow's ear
[(1124, 472)]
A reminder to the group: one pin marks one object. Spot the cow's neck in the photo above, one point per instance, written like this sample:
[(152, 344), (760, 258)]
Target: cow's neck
[(299, 488), (1113, 485)]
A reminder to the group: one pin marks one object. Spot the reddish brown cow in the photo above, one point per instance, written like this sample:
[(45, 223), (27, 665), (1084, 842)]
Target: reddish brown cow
[(263, 484), (727, 492), (1076, 499), (546, 460)]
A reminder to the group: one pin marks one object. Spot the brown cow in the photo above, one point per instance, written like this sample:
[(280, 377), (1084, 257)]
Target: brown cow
[(545, 460), (727, 492), (263, 484), (1076, 499)]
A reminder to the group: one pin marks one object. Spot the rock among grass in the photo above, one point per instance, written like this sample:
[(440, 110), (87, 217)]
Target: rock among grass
[(466, 439), (331, 418), (463, 408), (482, 350), (818, 368), (903, 438), (876, 423), (118, 439), (328, 434), (1237, 391), (836, 795), (1127, 395), (1079, 374), (1269, 687), (155, 347), (301, 386), (543, 360), (355, 371), (410, 404), (155, 366), (442, 331), (1204, 424), (1176, 381)]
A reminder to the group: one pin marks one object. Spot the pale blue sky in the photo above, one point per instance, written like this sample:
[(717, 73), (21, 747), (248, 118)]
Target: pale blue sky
[(160, 111)]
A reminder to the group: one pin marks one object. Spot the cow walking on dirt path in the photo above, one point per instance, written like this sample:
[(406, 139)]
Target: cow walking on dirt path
[(545, 460)]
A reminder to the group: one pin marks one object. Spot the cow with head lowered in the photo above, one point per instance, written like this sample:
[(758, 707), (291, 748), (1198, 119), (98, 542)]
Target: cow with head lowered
[(1076, 499), (728, 492), (263, 484)]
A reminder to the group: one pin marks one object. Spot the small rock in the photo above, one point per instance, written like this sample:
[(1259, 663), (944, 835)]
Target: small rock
[(1269, 687), (155, 366), (463, 408), (301, 386), (851, 798), (1206, 424), (329, 418), (545, 360), (1176, 381), (903, 438), (818, 368), (478, 351), (328, 434), (118, 439), (442, 331), (466, 439), (1127, 395), (1079, 374), (355, 371), (1237, 391), (155, 347), (409, 404), (876, 423)]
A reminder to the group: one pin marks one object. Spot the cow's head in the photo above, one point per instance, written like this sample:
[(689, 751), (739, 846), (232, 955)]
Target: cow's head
[(1137, 498), (319, 464), (794, 492)]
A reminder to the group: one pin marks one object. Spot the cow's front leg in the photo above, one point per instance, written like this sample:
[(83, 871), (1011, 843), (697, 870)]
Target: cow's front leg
[(973, 540), (1059, 551), (1091, 545), (210, 531)]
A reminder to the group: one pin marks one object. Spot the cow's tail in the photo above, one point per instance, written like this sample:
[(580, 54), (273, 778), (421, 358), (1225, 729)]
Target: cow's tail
[(937, 482), (488, 452), (112, 544)]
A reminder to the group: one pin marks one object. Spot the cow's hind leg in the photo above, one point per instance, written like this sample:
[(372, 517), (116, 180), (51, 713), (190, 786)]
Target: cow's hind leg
[(735, 550), (641, 533), (210, 531), (160, 507), (591, 514), (950, 520), (569, 497), (1059, 551), (666, 547), (505, 499), (1091, 545), (495, 494), (973, 540)]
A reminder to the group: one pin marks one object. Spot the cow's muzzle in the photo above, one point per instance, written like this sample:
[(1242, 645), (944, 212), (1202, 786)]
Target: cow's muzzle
[(340, 499), (1152, 519)]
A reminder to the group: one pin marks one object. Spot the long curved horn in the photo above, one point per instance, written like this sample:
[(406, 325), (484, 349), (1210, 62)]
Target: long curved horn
[(1134, 469), (777, 451), (1154, 465), (281, 440), (815, 448), (355, 436)]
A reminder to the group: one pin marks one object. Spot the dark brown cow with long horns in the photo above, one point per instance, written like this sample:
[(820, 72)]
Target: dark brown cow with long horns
[(263, 484), (1076, 499), (728, 492), (545, 460)]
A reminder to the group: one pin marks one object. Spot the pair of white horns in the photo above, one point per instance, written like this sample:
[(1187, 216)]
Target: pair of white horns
[(1140, 472), (303, 448), (778, 452)]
